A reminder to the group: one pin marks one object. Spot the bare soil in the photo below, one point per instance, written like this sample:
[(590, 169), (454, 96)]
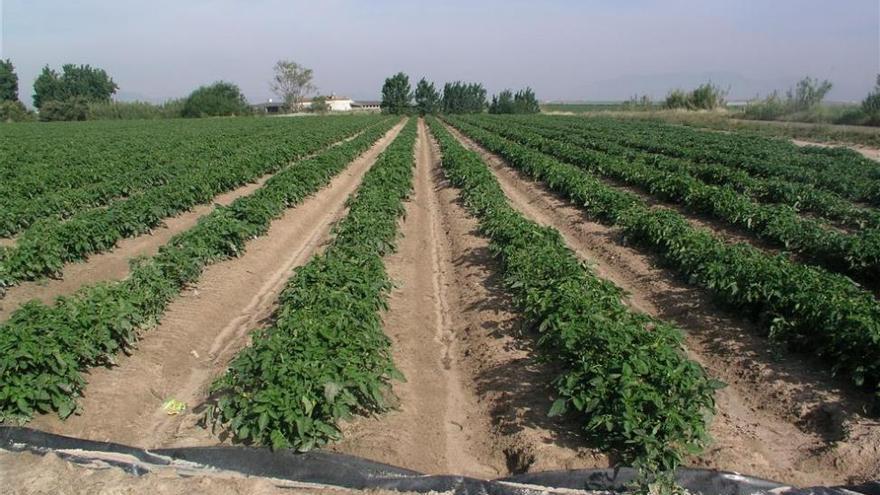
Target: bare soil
[(475, 399), (782, 416), (115, 264), (204, 328), (31, 474)]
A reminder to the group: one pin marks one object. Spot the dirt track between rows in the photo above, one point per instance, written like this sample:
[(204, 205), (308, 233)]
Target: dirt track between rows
[(475, 400), (204, 328), (781, 416)]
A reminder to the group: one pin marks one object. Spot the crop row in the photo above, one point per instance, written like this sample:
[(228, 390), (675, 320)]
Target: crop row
[(75, 169), (625, 372), (802, 197), (38, 162), (44, 349), (44, 248), (325, 356), (806, 308), (856, 254), (834, 169)]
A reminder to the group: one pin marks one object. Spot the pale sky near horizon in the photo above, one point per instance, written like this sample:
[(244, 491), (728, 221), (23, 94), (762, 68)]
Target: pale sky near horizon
[(565, 50)]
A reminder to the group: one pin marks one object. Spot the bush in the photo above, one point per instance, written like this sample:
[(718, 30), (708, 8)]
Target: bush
[(676, 99), (76, 108), (871, 105), (770, 108), (705, 97), (14, 111), (319, 105), (130, 110), (218, 99)]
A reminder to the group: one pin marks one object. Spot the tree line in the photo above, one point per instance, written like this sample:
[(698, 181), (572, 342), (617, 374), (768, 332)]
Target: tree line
[(83, 92), (456, 97)]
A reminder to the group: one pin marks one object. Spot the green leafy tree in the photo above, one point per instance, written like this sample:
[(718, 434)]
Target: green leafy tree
[(8, 81), (808, 93), (396, 94), (502, 102), (218, 99), (525, 101), (427, 97), (85, 82), (459, 97)]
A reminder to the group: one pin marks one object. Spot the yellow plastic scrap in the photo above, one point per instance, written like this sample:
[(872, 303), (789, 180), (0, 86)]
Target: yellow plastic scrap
[(173, 406)]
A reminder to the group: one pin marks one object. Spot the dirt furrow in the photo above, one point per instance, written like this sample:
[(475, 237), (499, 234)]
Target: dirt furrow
[(203, 328), (782, 416), (115, 264), (475, 398)]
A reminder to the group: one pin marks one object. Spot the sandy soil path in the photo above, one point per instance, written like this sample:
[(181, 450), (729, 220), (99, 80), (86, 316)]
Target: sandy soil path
[(782, 416), (114, 265), (475, 399), (204, 328)]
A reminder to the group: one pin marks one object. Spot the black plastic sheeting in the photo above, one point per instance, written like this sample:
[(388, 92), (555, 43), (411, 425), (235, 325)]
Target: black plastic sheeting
[(326, 468)]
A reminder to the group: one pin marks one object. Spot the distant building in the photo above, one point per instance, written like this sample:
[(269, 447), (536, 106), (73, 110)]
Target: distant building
[(336, 104), (366, 105), (269, 107)]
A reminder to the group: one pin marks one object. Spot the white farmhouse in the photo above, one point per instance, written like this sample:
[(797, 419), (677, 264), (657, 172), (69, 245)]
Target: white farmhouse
[(336, 103)]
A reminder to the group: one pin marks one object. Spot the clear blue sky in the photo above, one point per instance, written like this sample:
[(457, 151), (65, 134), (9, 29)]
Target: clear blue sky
[(574, 50)]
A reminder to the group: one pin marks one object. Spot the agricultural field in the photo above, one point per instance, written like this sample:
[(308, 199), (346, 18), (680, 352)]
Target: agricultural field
[(473, 294)]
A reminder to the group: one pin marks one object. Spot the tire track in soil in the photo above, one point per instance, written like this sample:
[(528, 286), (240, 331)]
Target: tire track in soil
[(475, 399), (781, 416), (204, 328), (114, 264)]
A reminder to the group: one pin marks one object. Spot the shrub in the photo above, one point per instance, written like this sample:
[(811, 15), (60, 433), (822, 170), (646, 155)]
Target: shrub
[(75, 108), (130, 110), (14, 111), (676, 99), (871, 105), (706, 96), (218, 99)]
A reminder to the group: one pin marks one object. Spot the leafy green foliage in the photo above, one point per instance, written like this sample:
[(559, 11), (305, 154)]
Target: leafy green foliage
[(871, 104), (524, 101), (49, 243), (706, 96), (806, 308), (459, 97), (82, 82), (857, 255), (427, 97), (44, 349), (624, 372), (8, 82), (129, 110), (75, 108), (15, 111), (218, 99), (325, 357), (396, 94)]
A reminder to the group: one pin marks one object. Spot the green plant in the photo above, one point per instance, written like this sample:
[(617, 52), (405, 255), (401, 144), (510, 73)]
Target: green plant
[(804, 307), (45, 349), (325, 356), (871, 104), (623, 373), (218, 99)]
